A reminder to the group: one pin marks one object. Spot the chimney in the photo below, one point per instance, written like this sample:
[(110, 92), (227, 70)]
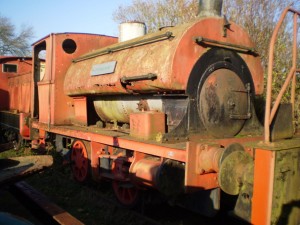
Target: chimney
[(131, 30), (209, 8)]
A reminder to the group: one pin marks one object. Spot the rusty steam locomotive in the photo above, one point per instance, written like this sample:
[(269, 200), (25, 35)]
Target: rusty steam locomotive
[(172, 110)]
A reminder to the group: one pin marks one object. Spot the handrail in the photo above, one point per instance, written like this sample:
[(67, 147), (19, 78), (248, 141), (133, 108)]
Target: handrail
[(270, 113)]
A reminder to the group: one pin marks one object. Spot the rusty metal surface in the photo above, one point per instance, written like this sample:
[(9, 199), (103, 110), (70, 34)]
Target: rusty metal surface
[(19, 91), (194, 180), (208, 158), (149, 125), (170, 178), (232, 172), (13, 169), (276, 194), (171, 60), (49, 87), (24, 125), (10, 124), (79, 161), (144, 172), (119, 139), (211, 28), (15, 87), (239, 48), (243, 205), (278, 145), (226, 141), (149, 57), (119, 108), (282, 125), (286, 197), (271, 111), (100, 137), (222, 97), (210, 8), (58, 214)]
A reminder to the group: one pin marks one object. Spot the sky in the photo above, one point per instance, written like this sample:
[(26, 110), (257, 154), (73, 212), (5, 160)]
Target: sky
[(55, 16)]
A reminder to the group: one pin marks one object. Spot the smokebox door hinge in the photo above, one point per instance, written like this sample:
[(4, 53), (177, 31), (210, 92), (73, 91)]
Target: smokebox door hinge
[(248, 114)]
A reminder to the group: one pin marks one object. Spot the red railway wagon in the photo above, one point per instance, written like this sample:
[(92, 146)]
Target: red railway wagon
[(15, 88), (174, 111)]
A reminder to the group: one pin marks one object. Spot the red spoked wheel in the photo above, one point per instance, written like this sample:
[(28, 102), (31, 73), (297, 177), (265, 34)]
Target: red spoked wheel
[(79, 161), (127, 194)]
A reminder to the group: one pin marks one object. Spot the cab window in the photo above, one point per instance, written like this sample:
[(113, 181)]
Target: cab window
[(9, 68)]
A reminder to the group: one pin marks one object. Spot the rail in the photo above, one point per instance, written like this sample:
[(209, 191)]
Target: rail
[(270, 112)]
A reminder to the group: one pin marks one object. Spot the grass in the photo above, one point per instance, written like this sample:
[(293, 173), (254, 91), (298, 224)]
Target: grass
[(15, 153), (91, 202)]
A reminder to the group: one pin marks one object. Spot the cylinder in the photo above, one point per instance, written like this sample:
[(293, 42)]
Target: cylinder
[(209, 8), (131, 30)]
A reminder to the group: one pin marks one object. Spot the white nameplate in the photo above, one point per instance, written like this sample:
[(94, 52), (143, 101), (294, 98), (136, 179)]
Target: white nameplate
[(103, 68)]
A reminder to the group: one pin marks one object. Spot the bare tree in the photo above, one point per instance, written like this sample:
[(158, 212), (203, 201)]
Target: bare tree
[(258, 17), (157, 13), (12, 43)]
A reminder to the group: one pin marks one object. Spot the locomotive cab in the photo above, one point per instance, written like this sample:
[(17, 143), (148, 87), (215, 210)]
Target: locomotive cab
[(58, 50)]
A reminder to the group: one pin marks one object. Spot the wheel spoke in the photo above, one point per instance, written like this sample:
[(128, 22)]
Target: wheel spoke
[(79, 160), (130, 193), (126, 194)]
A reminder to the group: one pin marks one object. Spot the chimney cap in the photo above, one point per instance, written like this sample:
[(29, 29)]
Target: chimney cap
[(208, 8)]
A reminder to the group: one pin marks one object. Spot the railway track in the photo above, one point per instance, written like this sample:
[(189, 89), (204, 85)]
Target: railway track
[(152, 214), (50, 211), (6, 146)]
